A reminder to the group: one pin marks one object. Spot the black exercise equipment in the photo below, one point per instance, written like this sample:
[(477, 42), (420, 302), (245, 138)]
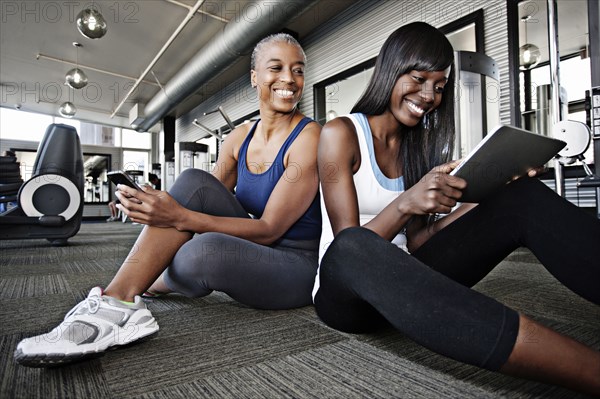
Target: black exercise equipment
[(50, 203)]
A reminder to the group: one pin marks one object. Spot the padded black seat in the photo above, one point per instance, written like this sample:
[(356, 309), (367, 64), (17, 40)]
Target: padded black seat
[(50, 203)]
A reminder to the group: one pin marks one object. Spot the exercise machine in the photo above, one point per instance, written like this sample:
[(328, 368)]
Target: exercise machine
[(50, 203)]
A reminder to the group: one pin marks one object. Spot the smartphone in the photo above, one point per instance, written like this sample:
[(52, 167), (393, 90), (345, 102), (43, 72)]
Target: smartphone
[(120, 177)]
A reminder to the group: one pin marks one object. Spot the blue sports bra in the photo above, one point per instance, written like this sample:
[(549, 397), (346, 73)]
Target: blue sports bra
[(254, 189)]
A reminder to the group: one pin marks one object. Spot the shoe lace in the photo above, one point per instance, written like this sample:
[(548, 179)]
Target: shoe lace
[(91, 304)]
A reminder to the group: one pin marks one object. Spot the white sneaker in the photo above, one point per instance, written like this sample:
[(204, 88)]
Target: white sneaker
[(96, 324)]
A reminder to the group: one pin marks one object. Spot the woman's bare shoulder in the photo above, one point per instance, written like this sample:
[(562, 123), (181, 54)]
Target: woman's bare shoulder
[(340, 130), (233, 141), (311, 131), (339, 143), (240, 132)]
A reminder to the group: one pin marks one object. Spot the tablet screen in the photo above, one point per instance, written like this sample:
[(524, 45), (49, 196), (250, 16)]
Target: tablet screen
[(503, 154)]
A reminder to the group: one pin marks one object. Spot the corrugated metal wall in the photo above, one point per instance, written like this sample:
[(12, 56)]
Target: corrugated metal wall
[(358, 34), (238, 99), (354, 36)]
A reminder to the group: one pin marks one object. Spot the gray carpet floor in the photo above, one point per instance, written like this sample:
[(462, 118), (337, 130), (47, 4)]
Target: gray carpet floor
[(213, 347)]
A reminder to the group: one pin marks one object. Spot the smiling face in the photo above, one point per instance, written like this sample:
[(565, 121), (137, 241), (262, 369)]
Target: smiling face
[(279, 76), (417, 93)]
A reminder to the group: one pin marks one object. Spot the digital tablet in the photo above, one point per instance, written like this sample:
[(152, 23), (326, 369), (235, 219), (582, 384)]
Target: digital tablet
[(506, 152)]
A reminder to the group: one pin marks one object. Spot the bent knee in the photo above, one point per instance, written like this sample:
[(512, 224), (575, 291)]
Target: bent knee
[(355, 247), (350, 241), (198, 261), (525, 193), (527, 187), (205, 248), (197, 176), (347, 249), (187, 186)]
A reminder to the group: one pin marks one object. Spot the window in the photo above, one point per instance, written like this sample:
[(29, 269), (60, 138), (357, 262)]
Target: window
[(26, 159), (21, 125), (94, 134), (136, 160), (341, 96), (96, 185), (28, 126), (463, 39), (133, 139), (70, 122), (574, 66), (337, 95), (575, 78)]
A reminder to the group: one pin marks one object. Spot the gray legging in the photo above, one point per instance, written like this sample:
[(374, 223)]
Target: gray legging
[(279, 276)]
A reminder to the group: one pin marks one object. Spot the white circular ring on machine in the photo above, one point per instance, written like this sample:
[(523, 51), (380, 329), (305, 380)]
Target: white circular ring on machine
[(29, 188), (577, 135)]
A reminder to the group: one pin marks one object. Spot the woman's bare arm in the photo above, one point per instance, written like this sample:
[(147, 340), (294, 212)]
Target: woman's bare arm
[(290, 198), (339, 157)]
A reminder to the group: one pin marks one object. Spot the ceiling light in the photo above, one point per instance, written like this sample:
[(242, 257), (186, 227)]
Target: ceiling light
[(76, 78), (529, 54), (67, 109), (91, 23)]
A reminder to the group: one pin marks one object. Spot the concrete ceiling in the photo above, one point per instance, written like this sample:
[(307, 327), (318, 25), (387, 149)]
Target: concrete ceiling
[(36, 51)]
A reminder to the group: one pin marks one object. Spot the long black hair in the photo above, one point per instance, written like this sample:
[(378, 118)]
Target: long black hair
[(420, 47)]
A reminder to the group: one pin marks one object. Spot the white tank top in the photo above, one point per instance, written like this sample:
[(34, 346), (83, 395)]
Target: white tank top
[(374, 190)]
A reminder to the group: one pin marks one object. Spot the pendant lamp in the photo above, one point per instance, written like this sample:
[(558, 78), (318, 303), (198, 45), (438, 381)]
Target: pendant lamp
[(91, 23), (67, 109), (529, 54), (76, 78)]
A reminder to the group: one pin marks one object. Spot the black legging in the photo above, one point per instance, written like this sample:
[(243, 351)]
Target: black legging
[(366, 281)]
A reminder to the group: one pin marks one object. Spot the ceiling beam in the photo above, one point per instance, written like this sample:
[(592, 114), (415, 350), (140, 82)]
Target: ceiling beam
[(91, 68)]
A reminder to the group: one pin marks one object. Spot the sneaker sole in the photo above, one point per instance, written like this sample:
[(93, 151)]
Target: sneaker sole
[(59, 359)]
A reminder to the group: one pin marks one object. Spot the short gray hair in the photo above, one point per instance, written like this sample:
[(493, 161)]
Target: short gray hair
[(275, 38)]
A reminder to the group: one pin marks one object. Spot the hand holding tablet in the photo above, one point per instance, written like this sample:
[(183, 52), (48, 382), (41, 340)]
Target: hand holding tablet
[(503, 154)]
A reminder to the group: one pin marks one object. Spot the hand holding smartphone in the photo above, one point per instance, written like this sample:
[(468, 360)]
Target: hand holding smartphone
[(120, 177)]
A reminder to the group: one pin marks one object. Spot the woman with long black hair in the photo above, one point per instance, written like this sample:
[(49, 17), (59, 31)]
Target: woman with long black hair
[(384, 173)]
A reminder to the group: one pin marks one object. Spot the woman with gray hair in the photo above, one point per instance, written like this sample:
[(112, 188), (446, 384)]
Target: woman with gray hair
[(250, 228)]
